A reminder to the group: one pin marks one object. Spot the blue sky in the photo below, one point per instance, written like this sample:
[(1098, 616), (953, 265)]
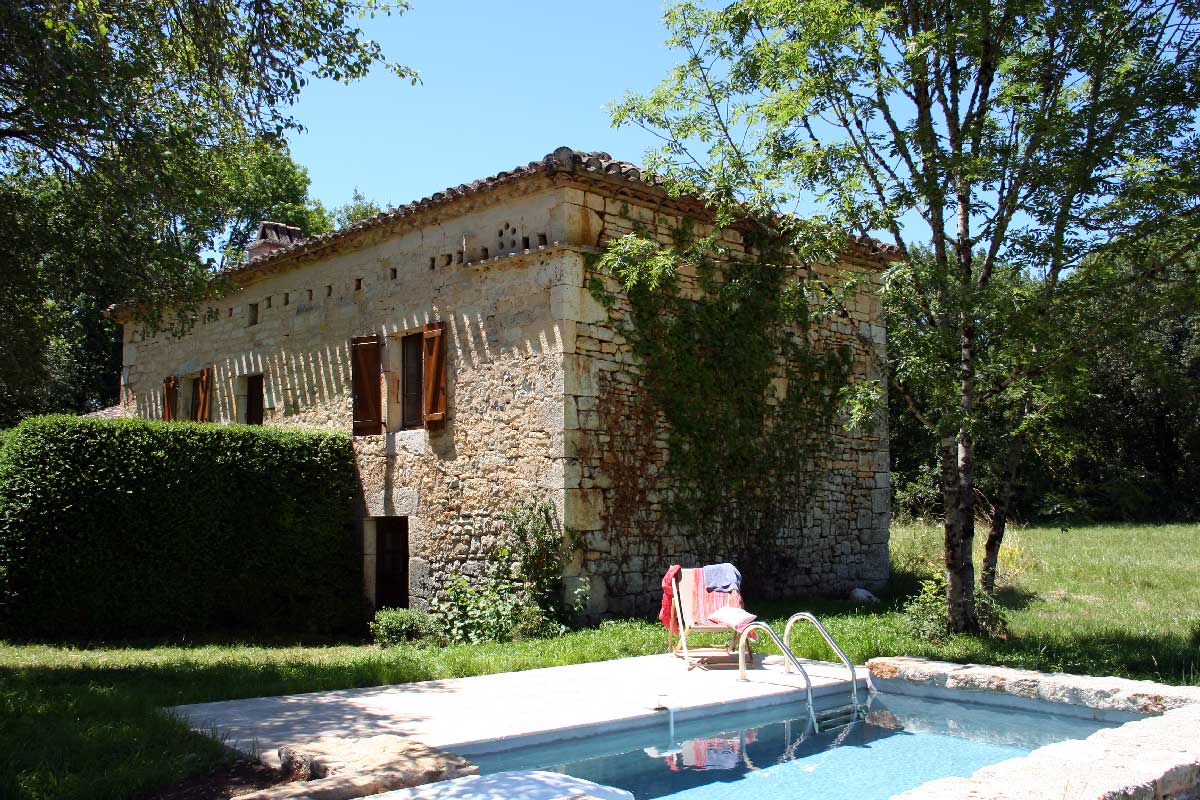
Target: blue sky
[(502, 84)]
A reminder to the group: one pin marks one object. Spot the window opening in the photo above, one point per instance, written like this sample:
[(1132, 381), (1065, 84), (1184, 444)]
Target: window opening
[(412, 371)]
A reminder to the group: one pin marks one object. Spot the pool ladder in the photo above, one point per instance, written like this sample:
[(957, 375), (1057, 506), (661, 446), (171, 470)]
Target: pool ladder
[(835, 717)]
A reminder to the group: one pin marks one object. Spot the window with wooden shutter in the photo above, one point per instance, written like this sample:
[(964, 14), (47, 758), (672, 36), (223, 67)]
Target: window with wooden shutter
[(366, 364), (170, 397), (435, 374), (202, 386), (412, 374)]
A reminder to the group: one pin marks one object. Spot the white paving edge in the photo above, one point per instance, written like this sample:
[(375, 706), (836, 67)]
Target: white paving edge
[(515, 785), (1154, 758)]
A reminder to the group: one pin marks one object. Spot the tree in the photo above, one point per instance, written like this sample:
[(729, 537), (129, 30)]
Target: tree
[(82, 77), (73, 246), (266, 184), (1111, 434), (1050, 140), (358, 209), (132, 135)]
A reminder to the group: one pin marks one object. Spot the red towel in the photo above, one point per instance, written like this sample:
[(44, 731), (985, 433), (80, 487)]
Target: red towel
[(668, 586)]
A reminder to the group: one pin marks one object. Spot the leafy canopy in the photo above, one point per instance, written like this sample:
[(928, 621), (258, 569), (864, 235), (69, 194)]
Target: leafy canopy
[(1046, 153), (136, 138)]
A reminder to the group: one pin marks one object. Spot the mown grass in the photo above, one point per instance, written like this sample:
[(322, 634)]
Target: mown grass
[(86, 723)]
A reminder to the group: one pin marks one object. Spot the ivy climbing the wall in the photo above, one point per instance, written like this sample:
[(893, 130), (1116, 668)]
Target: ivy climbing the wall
[(735, 378)]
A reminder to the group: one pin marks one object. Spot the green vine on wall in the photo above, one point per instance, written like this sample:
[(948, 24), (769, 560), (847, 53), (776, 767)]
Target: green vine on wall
[(730, 362)]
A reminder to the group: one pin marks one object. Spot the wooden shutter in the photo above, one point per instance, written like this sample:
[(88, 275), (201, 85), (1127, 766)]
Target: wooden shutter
[(204, 389), (170, 397), (435, 374), (366, 364)]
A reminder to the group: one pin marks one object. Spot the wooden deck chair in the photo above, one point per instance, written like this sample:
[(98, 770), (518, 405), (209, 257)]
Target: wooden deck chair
[(691, 607)]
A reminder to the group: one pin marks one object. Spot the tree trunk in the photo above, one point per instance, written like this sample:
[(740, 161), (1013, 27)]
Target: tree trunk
[(958, 501), (991, 548)]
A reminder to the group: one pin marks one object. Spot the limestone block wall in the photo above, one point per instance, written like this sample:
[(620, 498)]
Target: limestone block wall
[(616, 473), (542, 390), (502, 443)]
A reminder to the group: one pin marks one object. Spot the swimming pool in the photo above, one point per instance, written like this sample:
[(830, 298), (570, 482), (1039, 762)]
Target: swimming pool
[(766, 754)]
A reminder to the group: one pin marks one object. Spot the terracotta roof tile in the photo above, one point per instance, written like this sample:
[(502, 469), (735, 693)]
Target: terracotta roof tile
[(564, 159)]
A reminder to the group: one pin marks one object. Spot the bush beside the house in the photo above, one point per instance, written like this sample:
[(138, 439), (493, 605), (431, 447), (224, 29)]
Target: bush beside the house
[(119, 529), (396, 626), (520, 595)]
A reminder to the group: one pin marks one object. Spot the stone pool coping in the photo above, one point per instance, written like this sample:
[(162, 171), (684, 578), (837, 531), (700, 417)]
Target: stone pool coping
[(355, 736), (1146, 759)]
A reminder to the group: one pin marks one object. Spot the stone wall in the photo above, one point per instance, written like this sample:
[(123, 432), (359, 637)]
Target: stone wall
[(618, 484), (542, 391), (502, 444)]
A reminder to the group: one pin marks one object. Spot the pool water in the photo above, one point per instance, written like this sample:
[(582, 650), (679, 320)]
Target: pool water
[(902, 743)]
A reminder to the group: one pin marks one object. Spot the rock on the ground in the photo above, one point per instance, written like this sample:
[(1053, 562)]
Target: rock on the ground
[(861, 595), (347, 768)]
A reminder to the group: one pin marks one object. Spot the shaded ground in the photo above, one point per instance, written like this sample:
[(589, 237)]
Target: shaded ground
[(85, 723), (234, 780)]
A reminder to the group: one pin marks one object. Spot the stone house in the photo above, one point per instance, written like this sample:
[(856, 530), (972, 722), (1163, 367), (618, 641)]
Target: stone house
[(457, 339)]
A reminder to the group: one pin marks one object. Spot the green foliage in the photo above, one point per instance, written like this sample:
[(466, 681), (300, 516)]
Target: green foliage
[(128, 529), (395, 626), (86, 77), (1106, 432), (266, 184), (1038, 148), (136, 138), (520, 594), (486, 608), (359, 208), (536, 545), (748, 395), (925, 614)]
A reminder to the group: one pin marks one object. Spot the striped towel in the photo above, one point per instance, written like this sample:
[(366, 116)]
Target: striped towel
[(704, 602)]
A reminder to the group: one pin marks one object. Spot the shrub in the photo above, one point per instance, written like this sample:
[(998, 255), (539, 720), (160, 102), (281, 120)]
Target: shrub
[(535, 545), (520, 594), (490, 608), (128, 528), (393, 626), (925, 614)]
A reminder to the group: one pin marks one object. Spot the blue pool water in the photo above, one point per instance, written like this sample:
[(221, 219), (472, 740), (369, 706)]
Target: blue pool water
[(769, 755)]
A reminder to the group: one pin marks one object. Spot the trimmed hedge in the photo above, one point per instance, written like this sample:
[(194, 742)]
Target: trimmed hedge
[(121, 529)]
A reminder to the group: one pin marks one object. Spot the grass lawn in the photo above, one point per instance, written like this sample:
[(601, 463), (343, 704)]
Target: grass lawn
[(84, 723)]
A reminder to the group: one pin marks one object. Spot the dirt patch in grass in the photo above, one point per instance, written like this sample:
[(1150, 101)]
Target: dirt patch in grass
[(239, 778)]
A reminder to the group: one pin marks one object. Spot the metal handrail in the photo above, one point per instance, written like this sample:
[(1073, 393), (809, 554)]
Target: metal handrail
[(789, 658), (787, 636)]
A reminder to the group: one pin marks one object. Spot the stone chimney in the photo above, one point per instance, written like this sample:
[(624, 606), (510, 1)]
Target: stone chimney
[(272, 236)]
